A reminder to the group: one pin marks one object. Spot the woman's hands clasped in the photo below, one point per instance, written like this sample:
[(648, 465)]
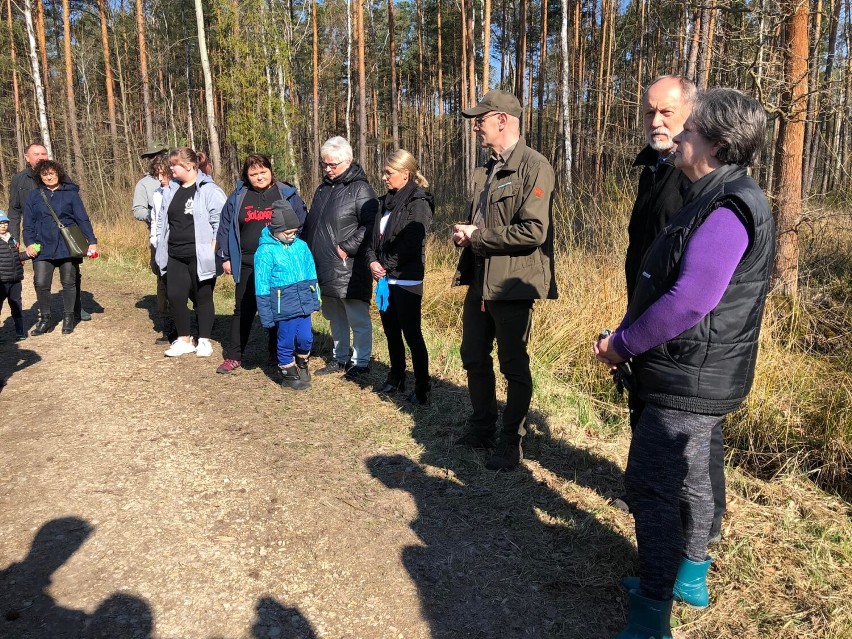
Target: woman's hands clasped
[(377, 270)]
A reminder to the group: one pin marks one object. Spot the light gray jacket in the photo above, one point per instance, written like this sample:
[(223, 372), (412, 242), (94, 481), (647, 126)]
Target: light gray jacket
[(143, 198), (206, 209)]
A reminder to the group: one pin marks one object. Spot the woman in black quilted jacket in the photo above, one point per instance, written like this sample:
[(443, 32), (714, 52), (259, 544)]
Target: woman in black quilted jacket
[(338, 230)]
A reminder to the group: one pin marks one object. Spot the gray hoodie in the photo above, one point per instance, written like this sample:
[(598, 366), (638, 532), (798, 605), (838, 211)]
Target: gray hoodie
[(206, 209)]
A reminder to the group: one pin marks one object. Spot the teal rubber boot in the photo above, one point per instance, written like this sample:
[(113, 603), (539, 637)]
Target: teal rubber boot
[(690, 587), (647, 619)]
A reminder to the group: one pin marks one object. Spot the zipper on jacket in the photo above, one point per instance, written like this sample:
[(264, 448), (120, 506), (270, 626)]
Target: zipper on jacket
[(279, 301)]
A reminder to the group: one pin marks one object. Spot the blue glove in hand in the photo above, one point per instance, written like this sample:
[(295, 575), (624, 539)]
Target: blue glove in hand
[(382, 293)]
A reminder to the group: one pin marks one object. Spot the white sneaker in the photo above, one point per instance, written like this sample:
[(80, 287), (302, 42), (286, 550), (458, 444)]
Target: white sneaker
[(179, 347), (204, 348)]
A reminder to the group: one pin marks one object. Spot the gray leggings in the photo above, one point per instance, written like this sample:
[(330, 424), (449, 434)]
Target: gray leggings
[(669, 492)]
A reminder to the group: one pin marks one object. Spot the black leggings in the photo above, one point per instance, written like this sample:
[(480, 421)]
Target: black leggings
[(182, 284), (69, 276), (245, 309), (403, 318)]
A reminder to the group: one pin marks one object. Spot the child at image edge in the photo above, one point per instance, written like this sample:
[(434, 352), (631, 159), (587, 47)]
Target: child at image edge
[(285, 282), (11, 275)]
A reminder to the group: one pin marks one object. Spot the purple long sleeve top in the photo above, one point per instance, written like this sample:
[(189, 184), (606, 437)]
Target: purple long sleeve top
[(708, 263)]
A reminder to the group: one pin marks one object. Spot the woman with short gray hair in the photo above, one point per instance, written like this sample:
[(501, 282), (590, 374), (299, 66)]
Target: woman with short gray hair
[(338, 231), (691, 334)]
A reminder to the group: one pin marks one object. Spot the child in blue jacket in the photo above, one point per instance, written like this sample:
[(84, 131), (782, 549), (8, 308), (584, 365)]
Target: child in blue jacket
[(285, 282)]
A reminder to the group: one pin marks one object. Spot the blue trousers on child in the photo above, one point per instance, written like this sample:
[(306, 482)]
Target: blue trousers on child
[(294, 336)]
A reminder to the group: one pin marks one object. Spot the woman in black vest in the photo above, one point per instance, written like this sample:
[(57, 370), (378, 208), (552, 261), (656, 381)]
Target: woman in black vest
[(398, 252), (691, 334)]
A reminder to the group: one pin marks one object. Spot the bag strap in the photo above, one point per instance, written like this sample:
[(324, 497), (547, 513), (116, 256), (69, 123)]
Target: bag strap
[(50, 208)]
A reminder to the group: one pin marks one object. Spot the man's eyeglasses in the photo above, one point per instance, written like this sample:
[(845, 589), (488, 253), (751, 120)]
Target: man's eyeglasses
[(330, 165), (482, 118)]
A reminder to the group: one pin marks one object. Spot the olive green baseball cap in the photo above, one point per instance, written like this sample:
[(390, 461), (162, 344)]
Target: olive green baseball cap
[(495, 100), (152, 150)]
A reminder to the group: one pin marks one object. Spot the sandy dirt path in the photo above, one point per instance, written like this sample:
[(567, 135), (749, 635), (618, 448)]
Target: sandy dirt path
[(142, 496)]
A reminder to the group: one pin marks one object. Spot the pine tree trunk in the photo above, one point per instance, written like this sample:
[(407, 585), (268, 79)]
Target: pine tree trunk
[(19, 134), (788, 201), (486, 45), (108, 82), (521, 51), (695, 32), (143, 69), (215, 153), (362, 85), (392, 62), (542, 71), (39, 89), (69, 92), (349, 19), (315, 69)]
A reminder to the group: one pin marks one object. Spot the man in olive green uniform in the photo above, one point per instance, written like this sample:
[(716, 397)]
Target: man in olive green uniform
[(507, 262)]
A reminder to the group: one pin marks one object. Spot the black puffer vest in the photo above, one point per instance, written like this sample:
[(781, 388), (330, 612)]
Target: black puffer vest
[(11, 269), (708, 368)]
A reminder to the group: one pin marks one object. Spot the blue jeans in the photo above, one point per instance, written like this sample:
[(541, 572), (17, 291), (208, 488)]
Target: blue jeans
[(294, 336)]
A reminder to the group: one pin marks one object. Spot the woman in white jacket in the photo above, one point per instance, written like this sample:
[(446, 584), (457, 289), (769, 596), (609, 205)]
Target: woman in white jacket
[(186, 236)]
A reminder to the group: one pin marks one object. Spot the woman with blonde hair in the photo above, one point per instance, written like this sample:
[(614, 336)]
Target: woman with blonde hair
[(186, 237), (398, 252)]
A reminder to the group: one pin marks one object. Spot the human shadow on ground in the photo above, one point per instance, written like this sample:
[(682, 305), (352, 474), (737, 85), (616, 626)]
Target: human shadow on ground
[(277, 621), (13, 356), (505, 554), (30, 612)]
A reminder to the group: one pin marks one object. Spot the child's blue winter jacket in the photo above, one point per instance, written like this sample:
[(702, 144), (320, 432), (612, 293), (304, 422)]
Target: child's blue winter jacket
[(285, 280)]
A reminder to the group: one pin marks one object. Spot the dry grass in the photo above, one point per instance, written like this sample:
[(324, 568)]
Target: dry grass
[(798, 417), (783, 569)]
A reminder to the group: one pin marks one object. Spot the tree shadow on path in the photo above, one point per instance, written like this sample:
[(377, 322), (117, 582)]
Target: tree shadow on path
[(30, 612)]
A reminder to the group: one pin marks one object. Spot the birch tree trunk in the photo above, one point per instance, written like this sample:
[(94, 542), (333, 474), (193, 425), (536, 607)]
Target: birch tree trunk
[(39, 89), (567, 182), (41, 40), (788, 201), (208, 88)]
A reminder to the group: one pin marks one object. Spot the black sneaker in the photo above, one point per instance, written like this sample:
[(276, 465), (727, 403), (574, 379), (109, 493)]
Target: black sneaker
[(356, 372), (476, 439), (507, 456), (332, 367)]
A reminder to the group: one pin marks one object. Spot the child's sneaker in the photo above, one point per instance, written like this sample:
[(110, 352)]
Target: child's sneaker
[(180, 347), (204, 348), (228, 366)]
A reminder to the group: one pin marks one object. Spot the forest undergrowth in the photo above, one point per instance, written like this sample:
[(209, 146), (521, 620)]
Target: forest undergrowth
[(798, 417)]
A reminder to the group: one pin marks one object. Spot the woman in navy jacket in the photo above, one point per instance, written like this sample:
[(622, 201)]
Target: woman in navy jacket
[(40, 228), (246, 213)]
